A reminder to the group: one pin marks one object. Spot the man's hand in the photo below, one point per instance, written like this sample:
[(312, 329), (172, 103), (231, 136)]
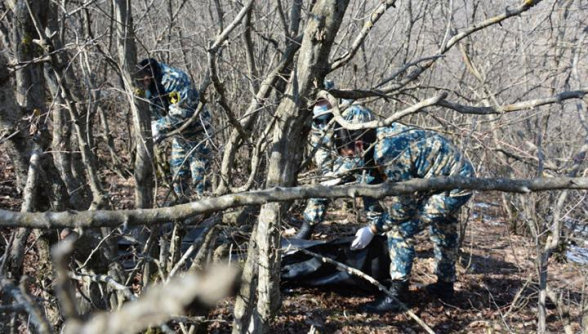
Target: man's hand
[(333, 179), (332, 182), (363, 237), (155, 132)]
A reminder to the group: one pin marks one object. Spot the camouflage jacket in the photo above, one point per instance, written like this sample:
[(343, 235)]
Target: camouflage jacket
[(176, 93), (403, 153)]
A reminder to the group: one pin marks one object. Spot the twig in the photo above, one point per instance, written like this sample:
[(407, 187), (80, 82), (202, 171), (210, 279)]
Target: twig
[(373, 281), (562, 310), (508, 13), (104, 279), (7, 252), (406, 67), (367, 27), (524, 105), (36, 316), (203, 251), (104, 239), (376, 124), (225, 34), (197, 244)]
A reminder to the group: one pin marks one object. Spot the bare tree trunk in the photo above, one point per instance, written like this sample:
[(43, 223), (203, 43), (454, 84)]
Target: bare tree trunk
[(30, 94), (143, 171), (42, 187), (293, 123), (127, 54), (63, 141)]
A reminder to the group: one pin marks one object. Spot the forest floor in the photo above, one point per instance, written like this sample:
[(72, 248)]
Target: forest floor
[(496, 290)]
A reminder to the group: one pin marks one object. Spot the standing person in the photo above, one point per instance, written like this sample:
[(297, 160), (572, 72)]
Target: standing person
[(402, 153), (173, 101)]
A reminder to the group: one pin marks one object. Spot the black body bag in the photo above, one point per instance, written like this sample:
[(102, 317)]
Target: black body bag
[(301, 269)]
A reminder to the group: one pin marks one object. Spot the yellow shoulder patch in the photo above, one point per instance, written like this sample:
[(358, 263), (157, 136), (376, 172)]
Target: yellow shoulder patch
[(174, 97)]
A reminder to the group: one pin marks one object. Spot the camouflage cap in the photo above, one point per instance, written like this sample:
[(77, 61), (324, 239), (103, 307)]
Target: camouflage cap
[(357, 114)]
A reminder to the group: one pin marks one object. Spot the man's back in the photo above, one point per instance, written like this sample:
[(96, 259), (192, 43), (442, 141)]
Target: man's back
[(405, 152)]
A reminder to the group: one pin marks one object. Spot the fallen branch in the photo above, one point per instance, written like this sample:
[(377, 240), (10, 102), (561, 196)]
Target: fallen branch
[(105, 218), (373, 281)]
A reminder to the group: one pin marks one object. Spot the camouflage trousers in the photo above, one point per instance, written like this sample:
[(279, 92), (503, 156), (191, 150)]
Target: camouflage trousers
[(439, 213), (188, 159), (316, 209)]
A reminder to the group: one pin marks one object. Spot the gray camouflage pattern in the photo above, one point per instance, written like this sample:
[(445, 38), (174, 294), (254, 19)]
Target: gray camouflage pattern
[(190, 152)]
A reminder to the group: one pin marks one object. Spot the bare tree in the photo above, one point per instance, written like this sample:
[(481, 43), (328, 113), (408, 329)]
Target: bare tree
[(502, 79)]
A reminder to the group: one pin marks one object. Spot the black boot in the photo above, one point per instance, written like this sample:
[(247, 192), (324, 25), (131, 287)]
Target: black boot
[(305, 231), (385, 303), (440, 289)]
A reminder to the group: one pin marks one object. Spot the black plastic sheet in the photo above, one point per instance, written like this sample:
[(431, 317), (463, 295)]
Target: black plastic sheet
[(301, 269)]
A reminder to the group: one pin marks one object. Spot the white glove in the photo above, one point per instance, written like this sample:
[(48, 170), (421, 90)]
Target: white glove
[(155, 131), (363, 237), (332, 182)]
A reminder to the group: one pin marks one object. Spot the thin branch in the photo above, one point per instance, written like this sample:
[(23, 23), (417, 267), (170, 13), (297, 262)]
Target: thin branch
[(222, 101), (530, 104), (373, 281), (367, 27), (225, 34), (36, 316), (508, 13), (376, 124), (197, 244), (463, 109), (406, 67)]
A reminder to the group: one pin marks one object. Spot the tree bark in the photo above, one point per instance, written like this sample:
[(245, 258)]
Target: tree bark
[(293, 123), (127, 54)]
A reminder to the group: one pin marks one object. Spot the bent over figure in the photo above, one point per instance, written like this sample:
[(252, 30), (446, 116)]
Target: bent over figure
[(173, 101), (402, 153), (331, 164)]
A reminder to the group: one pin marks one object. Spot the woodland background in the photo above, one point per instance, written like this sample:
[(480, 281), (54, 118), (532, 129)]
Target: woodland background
[(88, 223)]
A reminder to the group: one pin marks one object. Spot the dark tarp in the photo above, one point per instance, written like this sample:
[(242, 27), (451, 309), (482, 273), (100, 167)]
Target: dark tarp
[(301, 269)]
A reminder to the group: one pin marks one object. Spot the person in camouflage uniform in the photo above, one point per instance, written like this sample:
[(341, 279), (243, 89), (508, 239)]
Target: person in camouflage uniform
[(328, 161), (173, 101), (402, 153)]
